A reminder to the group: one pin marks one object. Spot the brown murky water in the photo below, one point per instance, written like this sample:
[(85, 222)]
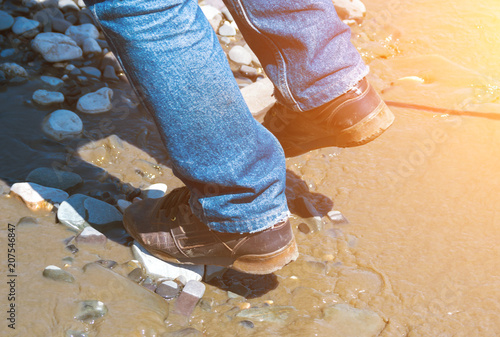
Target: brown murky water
[(422, 200)]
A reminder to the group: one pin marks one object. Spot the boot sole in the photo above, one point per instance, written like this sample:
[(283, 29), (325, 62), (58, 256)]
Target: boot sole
[(366, 130), (251, 264)]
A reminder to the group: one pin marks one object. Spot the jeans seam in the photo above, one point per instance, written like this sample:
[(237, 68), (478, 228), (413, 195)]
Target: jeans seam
[(278, 55)]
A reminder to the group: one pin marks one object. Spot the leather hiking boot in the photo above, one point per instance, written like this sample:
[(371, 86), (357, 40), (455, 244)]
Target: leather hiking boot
[(168, 229), (355, 118)]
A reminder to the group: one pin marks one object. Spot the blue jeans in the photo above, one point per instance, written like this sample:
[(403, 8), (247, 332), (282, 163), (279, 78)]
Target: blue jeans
[(234, 167)]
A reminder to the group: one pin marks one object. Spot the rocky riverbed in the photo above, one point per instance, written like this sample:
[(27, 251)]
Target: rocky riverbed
[(72, 161)]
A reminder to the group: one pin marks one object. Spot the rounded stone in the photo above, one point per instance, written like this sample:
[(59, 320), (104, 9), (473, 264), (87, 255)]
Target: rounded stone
[(13, 70), (23, 25), (56, 47), (240, 55), (82, 32), (62, 124), (57, 274), (6, 20), (96, 102), (44, 97), (52, 82), (90, 45), (49, 177), (227, 29)]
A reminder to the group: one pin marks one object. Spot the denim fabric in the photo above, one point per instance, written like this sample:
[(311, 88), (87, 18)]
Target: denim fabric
[(233, 166)]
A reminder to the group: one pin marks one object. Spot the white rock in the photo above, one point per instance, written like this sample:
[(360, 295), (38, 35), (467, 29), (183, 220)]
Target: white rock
[(53, 82), (44, 97), (38, 197), (350, 9), (240, 55), (210, 11), (72, 213), (259, 97), (255, 59), (155, 191), (68, 5), (96, 102), (81, 4), (101, 213), (6, 20), (22, 25), (123, 204), (90, 45), (56, 47), (82, 32), (337, 217), (227, 29), (62, 124), (12, 70), (157, 268)]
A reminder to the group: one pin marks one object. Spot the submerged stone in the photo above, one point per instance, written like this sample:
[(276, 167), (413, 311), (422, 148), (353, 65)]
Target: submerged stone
[(49, 177), (56, 47), (90, 310), (62, 124), (44, 97), (13, 70), (96, 102), (90, 235), (23, 25), (267, 314), (168, 289), (73, 333), (348, 321), (57, 274)]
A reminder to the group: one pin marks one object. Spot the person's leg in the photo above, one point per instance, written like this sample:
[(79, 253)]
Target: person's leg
[(234, 168), (318, 74)]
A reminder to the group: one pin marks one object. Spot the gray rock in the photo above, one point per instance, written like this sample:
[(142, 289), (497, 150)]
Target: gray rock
[(136, 275), (123, 204), (267, 314), (52, 82), (157, 268), (6, 20), (227, 29), (38, 197), (72, 213), (101, 213), (109, 73), (60, 25), (91, 71), (49, 177), (90, 310), (96, 102), (82, 32), (193, 291), (57, 274), (259, 98), (168, 289), (68, 5), (44, 97), (56, 47), (352, 322), (7, 52), (90, 46), (90, 235), (85, 16), (13, 70), (62, 124), (240, 55), (74, 71), (23, 25)]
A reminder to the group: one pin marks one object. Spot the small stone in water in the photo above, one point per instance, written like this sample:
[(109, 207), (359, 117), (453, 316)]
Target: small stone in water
[(91, 236), (168, 289), (57, 274), (62, 124), (90, 310), (227, 30), (149, 284), (247, 324), (49, 177), (189, 297), (44, 97), (337, 218), (304, 228), (96, 102), (27, 221), (240, 55), (53, 82), (13, 70), (136, 275), (72, 248)]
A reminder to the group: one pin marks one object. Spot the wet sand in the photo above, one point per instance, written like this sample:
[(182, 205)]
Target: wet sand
[(422, 201)]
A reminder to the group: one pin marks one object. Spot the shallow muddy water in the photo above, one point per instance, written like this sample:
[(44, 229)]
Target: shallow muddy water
[(421, 247)]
